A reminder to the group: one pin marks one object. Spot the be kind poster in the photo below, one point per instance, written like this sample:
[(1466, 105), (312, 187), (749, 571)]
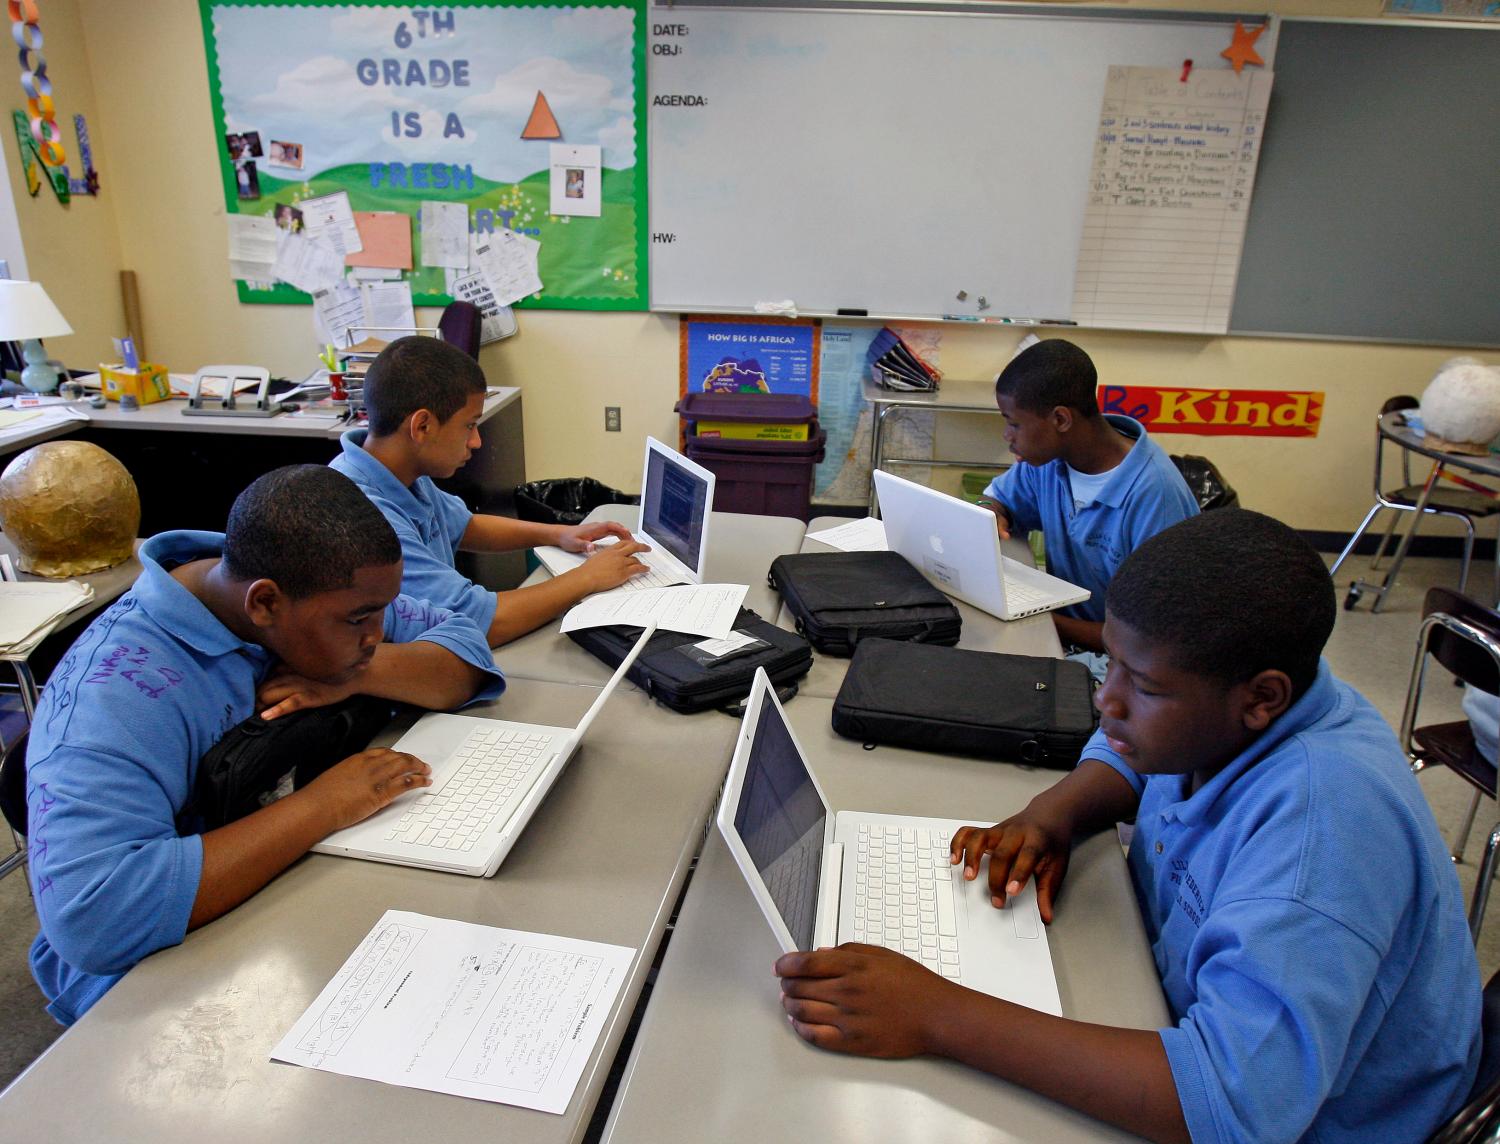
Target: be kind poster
[(397, 104)]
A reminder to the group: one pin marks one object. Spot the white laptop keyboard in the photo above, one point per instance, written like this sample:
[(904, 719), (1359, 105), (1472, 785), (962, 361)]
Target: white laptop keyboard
[(653, 577), (1019, 596), (904, 894), (496, 768)]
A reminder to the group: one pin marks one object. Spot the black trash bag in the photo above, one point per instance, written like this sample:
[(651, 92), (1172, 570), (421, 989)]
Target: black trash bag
[(1207, 484), (566, 500)]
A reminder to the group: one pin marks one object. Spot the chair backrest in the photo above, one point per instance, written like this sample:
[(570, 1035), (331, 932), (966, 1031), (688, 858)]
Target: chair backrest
[(460, 326), (1473, 661), (1395, 405), (13, 783)]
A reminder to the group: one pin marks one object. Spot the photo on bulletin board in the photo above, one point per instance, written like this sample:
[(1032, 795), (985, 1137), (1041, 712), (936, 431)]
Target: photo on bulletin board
[(748, 355), (396, 105)]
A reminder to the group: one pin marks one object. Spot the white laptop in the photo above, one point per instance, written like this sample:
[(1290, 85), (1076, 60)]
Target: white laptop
[(677, 496), (881, 879), (954, 544), (488, 778)]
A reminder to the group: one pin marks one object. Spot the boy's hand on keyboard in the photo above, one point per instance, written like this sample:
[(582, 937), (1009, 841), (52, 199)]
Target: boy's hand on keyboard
[(611, 566), (862, 999), (356, 788), (285, 692), (1026, 845), (579, 537)]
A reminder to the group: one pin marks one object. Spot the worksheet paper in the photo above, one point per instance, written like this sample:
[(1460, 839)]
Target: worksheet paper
[(335, 310), (697, 609), (1169, 198), (867, 535), (509, 261), (388, 309), (470, 1010), (445, 235), (330, 217), (308, 263)]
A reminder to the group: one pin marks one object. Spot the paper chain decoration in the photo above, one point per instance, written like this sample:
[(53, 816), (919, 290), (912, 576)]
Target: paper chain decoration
[(26, 27)]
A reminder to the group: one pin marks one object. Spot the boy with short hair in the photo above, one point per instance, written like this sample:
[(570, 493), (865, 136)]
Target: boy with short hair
[(426, 399), (1094, 483), (1302, 910), (295, 606)]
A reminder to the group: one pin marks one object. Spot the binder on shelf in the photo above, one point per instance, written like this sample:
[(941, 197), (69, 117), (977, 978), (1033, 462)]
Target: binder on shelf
[(894, 365)]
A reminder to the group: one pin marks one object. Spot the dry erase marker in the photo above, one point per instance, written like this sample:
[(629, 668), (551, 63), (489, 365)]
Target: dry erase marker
[(960, 317)]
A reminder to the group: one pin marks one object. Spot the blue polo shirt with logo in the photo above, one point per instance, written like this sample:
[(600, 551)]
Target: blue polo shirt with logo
[(1085, 546), (140, 697), (429, 523), (1309, 930)]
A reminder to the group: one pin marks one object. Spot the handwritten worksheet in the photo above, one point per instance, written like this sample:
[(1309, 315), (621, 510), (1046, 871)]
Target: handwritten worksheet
[(697, 609), (466, 1009), (1169, 196)]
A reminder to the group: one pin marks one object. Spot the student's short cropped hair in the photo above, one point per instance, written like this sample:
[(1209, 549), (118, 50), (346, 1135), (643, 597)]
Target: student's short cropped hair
[(307, 527), (1229, 593), (1049, 374), (415, 373)]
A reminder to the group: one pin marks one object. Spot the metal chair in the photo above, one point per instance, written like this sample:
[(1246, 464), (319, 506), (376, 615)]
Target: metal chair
[(1461, 504), (13, 800), (1463, 636), (1479, 1118)]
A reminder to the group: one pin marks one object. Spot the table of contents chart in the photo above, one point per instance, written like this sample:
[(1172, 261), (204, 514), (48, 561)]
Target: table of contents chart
[(1169, 195)]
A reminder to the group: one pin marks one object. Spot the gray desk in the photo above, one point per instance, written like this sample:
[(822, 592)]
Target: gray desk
[(1035, 635), (953, 397), (179, 1050), (740, 551), (715, 1059)]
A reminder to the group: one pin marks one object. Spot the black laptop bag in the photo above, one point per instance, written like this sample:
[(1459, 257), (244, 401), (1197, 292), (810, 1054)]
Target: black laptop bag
[(673, 670), (989, 705), (841, 598)]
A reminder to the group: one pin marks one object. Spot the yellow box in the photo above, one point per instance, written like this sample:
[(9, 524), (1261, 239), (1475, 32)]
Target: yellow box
[(147, 384), (754, 431)]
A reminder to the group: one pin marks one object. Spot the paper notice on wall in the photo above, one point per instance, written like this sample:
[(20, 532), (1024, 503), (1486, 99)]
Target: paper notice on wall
[(388, 309), (509, 261), (386, 240), (496, 321), (575, 181), (330, 217), (308, 263), (471, 1010), (252, 246), (335, 310), (445, 235)]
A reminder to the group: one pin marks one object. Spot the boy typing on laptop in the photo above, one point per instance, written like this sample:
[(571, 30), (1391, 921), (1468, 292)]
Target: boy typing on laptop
[(1094, 483), (296, 606), (1304, 916), (425, 399)]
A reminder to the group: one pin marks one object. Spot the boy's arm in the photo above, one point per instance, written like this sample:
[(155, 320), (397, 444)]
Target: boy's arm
[(870, 1001), (487, 533), (241, 857), (1084, 633), (521, 610), (1002, 515)]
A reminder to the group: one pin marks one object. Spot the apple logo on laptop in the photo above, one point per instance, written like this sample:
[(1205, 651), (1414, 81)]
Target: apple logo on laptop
[(937, 543)]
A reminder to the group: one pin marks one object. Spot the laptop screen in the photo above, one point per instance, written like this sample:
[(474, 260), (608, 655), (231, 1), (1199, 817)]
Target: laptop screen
[(674, 504), (780, 819)]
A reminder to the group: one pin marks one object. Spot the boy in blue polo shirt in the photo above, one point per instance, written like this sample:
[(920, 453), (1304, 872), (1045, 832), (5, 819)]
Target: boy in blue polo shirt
[(1095, 484), (295, 606), (425, 399), (1302, 910)]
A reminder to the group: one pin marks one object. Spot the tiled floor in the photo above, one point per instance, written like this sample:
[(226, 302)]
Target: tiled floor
[(1372, 652)]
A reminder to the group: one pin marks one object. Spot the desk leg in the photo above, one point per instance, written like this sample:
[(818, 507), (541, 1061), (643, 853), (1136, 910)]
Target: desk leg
[(1406, 539)]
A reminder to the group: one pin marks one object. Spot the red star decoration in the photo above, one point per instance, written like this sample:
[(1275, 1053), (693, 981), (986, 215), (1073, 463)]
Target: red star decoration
[(1241, 50)]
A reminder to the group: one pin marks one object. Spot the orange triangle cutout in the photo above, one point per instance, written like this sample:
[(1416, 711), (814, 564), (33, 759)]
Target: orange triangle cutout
[(542, 124)]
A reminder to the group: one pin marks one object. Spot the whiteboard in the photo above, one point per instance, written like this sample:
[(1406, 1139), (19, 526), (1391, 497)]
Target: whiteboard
[(883, 160)]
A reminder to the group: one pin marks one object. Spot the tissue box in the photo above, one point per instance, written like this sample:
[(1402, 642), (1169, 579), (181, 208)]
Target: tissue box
[(146, 384)]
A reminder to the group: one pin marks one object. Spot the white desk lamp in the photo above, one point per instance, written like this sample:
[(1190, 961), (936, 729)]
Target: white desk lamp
[(27, 315)]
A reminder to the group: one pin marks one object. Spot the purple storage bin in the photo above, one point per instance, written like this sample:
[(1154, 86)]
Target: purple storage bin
[(763, 478), (788, 408)]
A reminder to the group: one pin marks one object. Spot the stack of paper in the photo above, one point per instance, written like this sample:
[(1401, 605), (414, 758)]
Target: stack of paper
[(30, 609)]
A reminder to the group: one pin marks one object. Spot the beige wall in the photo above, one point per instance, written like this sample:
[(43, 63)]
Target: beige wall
[(73, 250), (162, 182)]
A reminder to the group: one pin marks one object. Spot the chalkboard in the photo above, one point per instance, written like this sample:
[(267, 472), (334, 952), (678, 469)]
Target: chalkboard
[(882, 159), (1374, 213)]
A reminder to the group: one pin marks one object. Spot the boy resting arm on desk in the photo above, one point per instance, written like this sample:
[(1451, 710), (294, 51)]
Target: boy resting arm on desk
[(218, 627), (1302, 911), (426, 399), (1094, 483)]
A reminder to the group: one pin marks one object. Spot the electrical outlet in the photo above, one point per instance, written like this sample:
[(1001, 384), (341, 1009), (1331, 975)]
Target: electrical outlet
[(611, 418)]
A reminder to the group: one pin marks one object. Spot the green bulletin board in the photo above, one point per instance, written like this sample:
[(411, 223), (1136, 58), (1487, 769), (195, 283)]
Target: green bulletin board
[(397, 104)]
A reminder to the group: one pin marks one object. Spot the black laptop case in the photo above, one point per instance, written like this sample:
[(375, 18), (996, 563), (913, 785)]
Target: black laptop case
[(673, 670), (841, 598), (1019, 708)]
